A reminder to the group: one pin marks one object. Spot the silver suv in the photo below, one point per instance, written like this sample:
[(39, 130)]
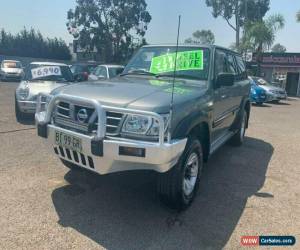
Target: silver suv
[(144, 120)]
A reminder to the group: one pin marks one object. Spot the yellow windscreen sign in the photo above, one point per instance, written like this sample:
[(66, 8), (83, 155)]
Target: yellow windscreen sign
[(186, 60)]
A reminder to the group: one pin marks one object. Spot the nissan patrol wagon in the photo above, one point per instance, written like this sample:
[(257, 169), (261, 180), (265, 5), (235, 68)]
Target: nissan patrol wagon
[(169, 110)]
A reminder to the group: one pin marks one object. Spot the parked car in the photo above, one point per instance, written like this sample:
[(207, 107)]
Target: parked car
[(130, 122), (81, 71), (105, 71), (11, 70), (39, 77), (258, 95), (275, 94)]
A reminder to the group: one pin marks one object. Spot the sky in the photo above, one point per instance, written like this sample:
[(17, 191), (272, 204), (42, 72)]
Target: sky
[(49, 16)]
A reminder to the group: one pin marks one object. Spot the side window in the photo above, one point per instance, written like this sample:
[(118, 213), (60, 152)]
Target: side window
[(241, 68), (101, 71), (220, 63), (231, 65)]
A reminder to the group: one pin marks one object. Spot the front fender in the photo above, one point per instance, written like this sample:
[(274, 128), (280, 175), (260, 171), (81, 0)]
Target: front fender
[(185, 126)]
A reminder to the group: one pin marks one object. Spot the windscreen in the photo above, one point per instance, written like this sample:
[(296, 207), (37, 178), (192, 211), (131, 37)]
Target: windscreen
[(192, 62), (11, 65), (57, 73)]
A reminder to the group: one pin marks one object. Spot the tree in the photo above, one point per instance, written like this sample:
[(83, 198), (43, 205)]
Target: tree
[(278, 48), (202, 37), (260, 35), (241, 11), (298, 16), (110, 26), (31, 43)]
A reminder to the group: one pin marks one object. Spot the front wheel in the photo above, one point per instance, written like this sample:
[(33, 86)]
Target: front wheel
[(178, 187)]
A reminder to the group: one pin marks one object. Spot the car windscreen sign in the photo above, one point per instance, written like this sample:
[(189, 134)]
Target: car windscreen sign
[(45, 71), (186, 60)]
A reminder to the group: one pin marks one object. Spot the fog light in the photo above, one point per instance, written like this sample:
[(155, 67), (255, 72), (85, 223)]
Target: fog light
[(129, 151)]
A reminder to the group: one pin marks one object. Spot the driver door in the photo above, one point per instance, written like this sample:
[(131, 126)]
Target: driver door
[(223, 115)]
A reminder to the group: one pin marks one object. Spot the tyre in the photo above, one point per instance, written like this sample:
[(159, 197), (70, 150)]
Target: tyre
[(239, 137), (70, 165), (259, 103), (20, 116), (177, 188)]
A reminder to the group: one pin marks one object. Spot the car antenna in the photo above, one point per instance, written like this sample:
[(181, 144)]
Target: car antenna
[(174, 79)]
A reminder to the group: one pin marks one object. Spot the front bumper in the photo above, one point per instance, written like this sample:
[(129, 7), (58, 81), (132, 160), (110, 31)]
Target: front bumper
[(27, 106), (103, 154), (259, 98), (280, 97), (10, 76), (159, 158)]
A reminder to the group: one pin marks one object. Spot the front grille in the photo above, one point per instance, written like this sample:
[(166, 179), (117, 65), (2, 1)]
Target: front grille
[(66, 116), (113, 122)]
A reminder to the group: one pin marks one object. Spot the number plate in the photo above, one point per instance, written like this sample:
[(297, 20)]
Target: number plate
[(68, 141)]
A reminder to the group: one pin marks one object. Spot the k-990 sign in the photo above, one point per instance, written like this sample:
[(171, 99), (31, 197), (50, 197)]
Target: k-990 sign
[(45, 71)]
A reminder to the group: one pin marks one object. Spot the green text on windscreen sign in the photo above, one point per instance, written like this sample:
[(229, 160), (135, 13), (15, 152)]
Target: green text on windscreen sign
[(186, 60)]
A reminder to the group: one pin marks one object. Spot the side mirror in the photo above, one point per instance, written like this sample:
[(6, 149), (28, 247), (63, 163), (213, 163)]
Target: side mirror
[(225, 79)]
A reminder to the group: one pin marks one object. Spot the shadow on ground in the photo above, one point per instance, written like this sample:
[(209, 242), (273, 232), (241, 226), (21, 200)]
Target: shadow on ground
[(281, 103), (263, 105), (122, 211)]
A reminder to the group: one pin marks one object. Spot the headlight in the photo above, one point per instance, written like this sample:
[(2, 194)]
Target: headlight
[(44, 102), (154, 130), (137, 124), (143, 125), (23, 93)]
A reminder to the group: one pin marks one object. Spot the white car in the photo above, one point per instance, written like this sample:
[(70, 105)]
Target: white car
[(11, 70), (105, 71), (40, 77)]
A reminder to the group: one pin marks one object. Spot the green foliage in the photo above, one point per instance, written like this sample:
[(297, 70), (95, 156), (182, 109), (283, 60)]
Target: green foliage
[(109, 25), (31, 43), (242, 11), (202, 37), (278, 48), (260, 35)]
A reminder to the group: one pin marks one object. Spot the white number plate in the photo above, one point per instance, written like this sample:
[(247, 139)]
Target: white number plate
[(68, 141)]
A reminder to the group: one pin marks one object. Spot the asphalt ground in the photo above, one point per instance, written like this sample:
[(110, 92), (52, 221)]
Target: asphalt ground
[(250, 190)]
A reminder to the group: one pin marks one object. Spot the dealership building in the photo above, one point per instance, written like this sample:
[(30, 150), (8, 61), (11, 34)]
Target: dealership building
[(282, 69)]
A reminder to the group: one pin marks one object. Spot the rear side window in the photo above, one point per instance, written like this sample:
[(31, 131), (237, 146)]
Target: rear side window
[(241, 68)]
